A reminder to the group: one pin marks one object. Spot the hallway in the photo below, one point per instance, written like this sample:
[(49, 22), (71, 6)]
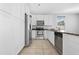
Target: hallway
[(39, 47)]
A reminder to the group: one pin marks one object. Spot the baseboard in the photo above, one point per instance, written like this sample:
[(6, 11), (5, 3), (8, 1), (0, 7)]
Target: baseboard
[(21, 50), (39, 38), (54, 47), (51, 43)]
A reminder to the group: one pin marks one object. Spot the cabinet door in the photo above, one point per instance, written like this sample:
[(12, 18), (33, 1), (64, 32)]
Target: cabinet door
[(50, 36), (70, 44)]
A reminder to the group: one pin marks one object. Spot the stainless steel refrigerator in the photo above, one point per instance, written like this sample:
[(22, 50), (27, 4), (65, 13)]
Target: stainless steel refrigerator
[(28, 30)]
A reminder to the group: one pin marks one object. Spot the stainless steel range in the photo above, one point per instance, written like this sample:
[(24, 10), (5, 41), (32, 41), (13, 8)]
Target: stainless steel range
[(40, 27)]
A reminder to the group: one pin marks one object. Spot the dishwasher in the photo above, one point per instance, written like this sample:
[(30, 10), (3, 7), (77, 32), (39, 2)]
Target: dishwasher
[(58, 42)]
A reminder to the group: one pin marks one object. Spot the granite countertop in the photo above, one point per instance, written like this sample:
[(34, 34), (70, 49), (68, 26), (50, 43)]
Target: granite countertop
[(39, 29), (64, 32), (54, 30)]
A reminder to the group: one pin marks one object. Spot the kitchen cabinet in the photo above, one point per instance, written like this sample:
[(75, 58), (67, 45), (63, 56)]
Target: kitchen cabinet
[(70, 44), (50, 36), (50, 22)]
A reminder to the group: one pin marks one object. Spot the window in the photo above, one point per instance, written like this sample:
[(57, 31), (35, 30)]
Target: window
[(60, 22)]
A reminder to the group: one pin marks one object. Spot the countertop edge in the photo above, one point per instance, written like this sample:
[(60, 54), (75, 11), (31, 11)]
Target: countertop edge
[(60, 32), (64, 32)]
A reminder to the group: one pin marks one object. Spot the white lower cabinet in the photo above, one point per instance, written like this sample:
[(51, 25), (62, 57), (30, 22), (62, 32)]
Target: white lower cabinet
[(70, 44), (50, 36)]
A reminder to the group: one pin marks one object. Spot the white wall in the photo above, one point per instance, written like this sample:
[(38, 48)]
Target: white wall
[(72, 23), (11, 28)]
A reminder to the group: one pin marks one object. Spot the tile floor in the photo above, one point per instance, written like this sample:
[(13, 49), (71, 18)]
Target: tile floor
[(39, 47)]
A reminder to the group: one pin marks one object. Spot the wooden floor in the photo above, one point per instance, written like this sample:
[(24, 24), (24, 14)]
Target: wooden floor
[(39, 47)]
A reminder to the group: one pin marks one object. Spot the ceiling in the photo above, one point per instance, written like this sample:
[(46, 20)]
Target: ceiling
[(52, 8)]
